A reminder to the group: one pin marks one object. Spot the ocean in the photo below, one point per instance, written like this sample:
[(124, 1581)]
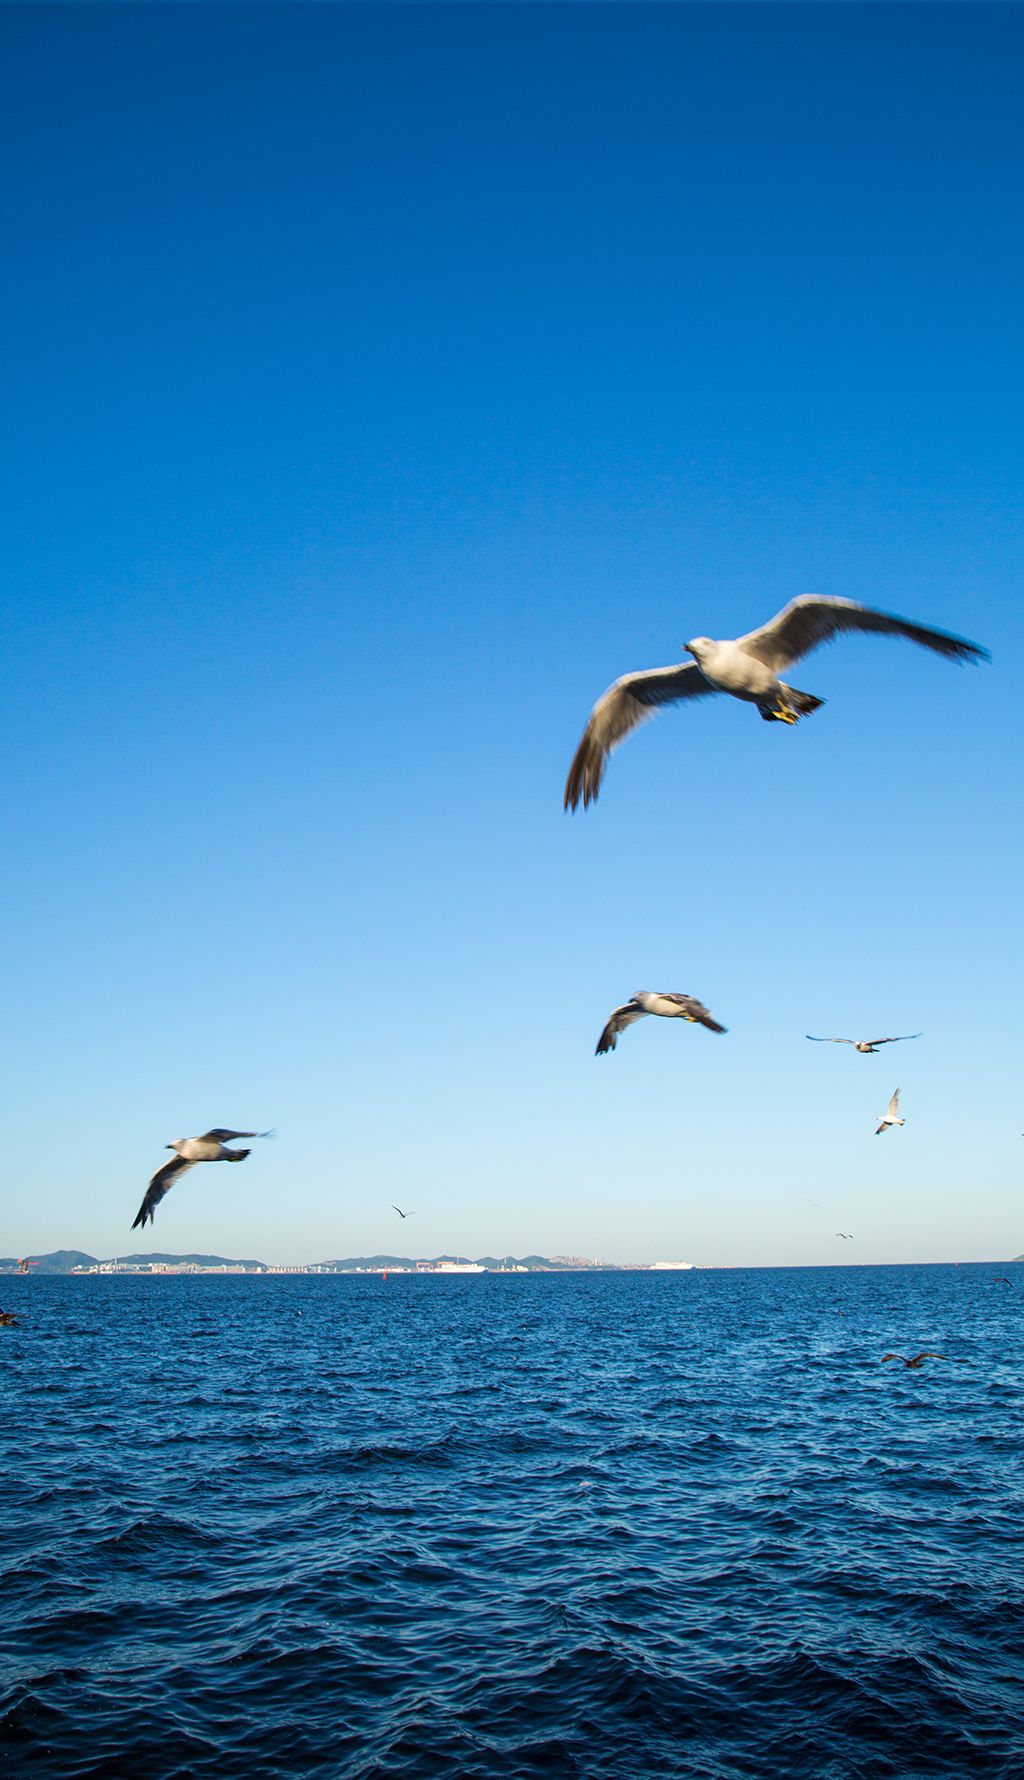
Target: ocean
[(601, 1525)]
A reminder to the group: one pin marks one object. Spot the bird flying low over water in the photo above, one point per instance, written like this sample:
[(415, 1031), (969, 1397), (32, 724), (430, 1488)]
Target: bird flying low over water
[(190, 1150), (646, 1001), (862, 1044), (916, 1360), (891, 1115), (8, 1320), (747, 668)]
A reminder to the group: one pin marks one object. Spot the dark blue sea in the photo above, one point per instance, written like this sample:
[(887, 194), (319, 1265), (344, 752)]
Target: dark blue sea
[(611, 1525)]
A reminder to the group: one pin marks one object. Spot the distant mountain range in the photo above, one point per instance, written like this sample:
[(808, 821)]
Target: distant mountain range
[(65, 1260)]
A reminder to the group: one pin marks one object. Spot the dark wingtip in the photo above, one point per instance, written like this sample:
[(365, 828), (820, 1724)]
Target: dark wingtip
[(584, 779)]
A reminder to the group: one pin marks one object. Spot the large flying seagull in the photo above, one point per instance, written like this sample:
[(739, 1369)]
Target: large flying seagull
[(747, 668), (208, 1148), (671, 1007)]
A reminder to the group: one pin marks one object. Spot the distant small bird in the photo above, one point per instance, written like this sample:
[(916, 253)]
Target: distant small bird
[(917, 1359), (647, 1001), (748, 668), (8, 1320), (208, 1148), (867, 1045), (891, 1115), (847, 1235), (401, 1213), (999, 1280)]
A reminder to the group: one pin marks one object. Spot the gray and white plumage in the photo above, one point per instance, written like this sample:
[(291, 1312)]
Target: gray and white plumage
[(891, 1116), (747, 668), (865, 1045), (190, 1150), (646, 1001)]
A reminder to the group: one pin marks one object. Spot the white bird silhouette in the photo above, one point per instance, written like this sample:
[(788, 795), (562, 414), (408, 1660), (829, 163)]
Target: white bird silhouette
[(891, 1116)]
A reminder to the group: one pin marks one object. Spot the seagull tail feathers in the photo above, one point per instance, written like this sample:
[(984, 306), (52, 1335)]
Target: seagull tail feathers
[(793, 704), (803, 703)]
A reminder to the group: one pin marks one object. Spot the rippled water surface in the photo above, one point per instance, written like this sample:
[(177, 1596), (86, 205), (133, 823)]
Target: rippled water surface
[(618, 1525)]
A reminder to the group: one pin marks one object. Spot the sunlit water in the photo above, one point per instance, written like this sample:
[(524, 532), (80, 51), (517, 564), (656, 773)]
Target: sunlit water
[(622, 1525)]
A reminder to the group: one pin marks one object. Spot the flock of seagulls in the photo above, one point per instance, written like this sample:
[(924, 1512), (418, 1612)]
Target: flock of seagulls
[(748, 668)]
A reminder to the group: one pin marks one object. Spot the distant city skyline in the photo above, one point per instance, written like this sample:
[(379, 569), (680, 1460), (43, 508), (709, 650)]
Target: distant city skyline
[(384, 382)]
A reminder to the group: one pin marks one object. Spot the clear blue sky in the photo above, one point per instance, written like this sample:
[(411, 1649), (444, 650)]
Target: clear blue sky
[(382, 382)]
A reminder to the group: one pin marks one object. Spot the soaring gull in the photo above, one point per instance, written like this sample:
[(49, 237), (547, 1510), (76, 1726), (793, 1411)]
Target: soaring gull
[(747, 668), (891, 1115), (208, 1148), (672, 1007), (867, 1045)]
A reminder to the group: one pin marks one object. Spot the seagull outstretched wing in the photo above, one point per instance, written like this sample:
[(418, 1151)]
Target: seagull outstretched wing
[(829, 1041), (161, 1183), (220, 1134), (814, 619), (622, 1017), (894, 1041), (619, 711)]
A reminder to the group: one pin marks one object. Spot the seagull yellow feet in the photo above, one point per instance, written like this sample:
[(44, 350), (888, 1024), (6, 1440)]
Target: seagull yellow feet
[(783, 716)]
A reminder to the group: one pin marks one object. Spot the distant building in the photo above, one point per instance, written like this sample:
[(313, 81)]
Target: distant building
[(449, 1267)]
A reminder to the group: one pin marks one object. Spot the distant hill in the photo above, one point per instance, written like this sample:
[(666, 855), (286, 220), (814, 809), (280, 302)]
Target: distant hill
[(63, 1260), (190, 1260)]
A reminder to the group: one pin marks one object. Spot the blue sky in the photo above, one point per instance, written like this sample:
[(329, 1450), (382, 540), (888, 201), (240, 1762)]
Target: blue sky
[(381, 383)]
